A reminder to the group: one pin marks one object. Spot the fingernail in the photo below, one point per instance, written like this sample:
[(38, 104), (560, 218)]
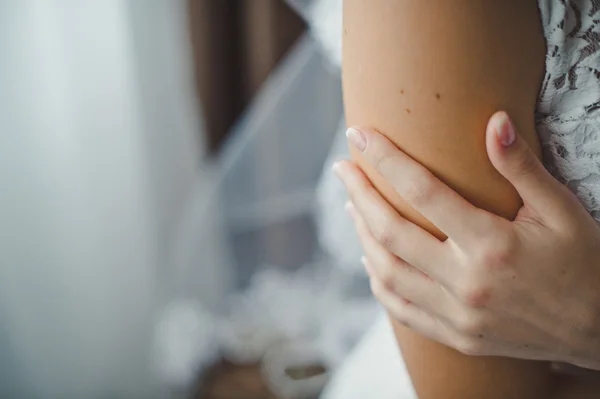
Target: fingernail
[(351, 210), (505, 131), (337, 169), (366, 265), (357, 139)]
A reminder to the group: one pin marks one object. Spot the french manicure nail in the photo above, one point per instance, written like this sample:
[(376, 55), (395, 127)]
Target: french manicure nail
[(357, 139), (351, 210), (337, 169), (367, 266), (505, 131)]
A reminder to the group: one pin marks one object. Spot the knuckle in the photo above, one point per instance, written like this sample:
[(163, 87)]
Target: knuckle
[(469, 325), (420, 188), (388, 277), (495, 258), (384, 233), (474, 294), (469, 346), (497, 254)]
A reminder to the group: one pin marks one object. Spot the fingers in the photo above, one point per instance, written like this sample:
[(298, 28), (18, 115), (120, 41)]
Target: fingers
[(515, 160), (413, 317), (409, 314), (448, 332), (395, 274), (441, 205), (396, 234)]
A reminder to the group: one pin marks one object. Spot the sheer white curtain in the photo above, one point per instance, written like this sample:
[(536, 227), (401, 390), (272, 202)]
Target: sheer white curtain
[(100, 152)]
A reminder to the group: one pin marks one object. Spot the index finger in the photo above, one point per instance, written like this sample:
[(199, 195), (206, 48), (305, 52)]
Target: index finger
[(442, 206)]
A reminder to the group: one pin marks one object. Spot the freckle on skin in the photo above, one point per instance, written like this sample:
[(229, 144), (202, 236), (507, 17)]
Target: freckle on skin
[(402, 91), (408, 110), (438, 96), (481, 336)]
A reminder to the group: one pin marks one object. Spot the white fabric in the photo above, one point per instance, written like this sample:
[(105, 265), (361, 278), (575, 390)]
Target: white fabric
[(309, 305), (568, 122), (374, 369), (569, 104), (99, 149)]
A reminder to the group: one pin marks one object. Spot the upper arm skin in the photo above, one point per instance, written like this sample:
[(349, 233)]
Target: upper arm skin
[(429, 74)]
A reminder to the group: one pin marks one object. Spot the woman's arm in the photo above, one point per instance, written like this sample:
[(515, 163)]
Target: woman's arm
[(429, 74)]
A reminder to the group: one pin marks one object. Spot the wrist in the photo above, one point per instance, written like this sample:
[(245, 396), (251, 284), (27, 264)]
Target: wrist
[(585, 334), (586, 351)]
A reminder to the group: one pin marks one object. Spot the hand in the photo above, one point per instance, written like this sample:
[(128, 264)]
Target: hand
[(526, 289)]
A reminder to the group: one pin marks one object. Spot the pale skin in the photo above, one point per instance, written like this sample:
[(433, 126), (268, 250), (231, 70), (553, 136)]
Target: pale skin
[(430, 88)]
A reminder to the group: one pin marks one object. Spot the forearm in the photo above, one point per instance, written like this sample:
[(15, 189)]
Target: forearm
[(429, 75)]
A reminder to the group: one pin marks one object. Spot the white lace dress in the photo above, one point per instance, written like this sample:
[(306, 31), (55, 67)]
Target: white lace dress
[(568, 123), (568, 112)]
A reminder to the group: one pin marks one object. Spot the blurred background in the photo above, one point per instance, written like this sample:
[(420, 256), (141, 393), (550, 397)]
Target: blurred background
[(236, 45), (170, 228)]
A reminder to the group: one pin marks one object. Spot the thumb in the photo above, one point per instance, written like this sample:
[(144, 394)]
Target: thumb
[(515, 160)]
